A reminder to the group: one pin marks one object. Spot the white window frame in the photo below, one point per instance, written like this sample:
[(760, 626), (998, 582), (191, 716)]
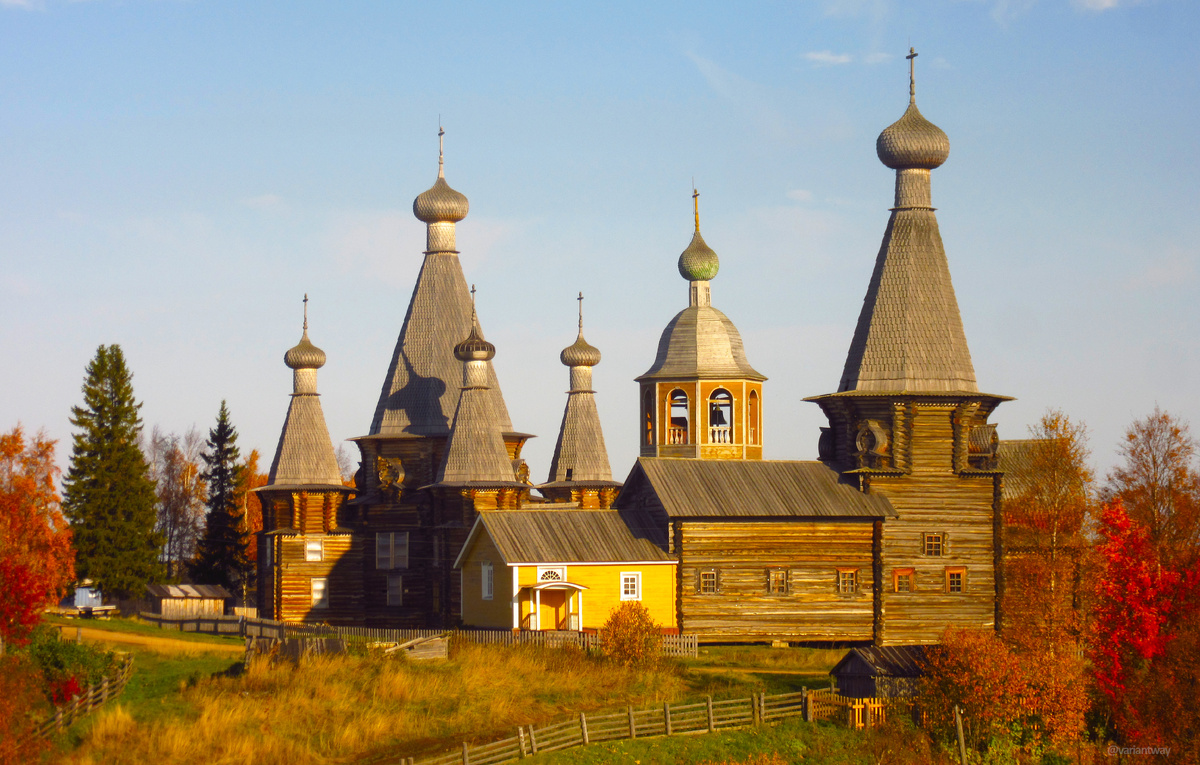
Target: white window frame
[(395, 589), (391, 550), (544, 570), (319, 584), (636, 578), (314, 550), (487, 579)]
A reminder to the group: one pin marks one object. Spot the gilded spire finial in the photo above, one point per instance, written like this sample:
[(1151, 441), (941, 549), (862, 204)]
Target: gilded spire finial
[(580, 299), (696, 205), (912, 79), (305, 311), (441, 150)]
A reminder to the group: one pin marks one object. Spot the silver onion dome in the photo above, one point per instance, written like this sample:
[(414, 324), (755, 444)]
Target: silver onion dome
[(580, 354), (912, 142)]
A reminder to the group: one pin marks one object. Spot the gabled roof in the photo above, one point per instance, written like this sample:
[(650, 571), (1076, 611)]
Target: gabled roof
[(304, 455), (889, 661), (565, 535), (752, 488), (420, 392)]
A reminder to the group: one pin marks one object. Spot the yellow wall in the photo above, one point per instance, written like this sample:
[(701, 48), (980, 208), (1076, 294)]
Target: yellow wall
[(603, 581), (477, 612)]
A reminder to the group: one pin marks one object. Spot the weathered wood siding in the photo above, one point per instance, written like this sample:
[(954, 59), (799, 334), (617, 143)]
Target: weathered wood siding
[(177, 608), (743, 552), (936, 499), (341, 567)]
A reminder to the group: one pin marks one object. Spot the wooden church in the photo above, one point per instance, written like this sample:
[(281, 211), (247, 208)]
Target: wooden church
[(890, 536)]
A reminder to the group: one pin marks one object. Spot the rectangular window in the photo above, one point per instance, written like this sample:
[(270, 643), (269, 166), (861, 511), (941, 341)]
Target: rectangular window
[(777, 581), (935, 543), (956, 580), (847, 581), (320, 593), (708, 582), (631, 585), (902, 580), (395, 592), (437, 550), (314, 550), (391, 549), (488, 578)]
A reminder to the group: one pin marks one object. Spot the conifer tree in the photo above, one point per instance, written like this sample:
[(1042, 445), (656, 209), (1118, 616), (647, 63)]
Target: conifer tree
[(222, 556), (108, 496)]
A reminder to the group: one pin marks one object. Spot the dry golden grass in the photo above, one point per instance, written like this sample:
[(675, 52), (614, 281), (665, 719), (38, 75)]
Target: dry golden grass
[(349, 708)]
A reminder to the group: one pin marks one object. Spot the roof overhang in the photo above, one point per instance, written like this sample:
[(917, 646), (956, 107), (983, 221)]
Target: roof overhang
[(555, 586)]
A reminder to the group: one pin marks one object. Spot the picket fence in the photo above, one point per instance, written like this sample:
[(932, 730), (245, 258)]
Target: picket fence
[(706, 716), (672, 645), (92, 698)]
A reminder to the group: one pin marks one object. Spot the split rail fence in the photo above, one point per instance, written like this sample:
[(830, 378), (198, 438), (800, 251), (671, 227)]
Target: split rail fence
[(706, 716), (244, 626), (92, 698)]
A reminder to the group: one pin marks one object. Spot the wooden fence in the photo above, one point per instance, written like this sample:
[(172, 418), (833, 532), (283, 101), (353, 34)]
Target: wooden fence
[(92, 698), (668, 720), (672, 645)]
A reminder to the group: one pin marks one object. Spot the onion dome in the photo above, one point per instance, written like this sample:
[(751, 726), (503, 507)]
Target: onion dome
[(912, 142), (305, 355), (580, 354), (474, 348), (698, 263), (440, 204)]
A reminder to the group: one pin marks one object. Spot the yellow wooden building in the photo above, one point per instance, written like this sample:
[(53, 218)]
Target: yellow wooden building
[(559, 567)]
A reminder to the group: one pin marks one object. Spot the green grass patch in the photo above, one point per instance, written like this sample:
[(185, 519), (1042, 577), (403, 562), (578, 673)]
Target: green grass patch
[(138, 627), (817, 661)]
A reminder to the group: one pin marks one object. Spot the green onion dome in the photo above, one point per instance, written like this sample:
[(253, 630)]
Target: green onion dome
[(698, 263)]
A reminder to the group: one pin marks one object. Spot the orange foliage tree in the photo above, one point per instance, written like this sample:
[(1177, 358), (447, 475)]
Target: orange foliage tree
[(252, 520), (37, 562), (1002, 693)]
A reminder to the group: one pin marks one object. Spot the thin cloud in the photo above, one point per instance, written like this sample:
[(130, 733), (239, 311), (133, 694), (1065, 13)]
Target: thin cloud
[(828, 58), (265, 203), (800, 195), (1099, 6), (878, 58), (27, 5), (746, 94)]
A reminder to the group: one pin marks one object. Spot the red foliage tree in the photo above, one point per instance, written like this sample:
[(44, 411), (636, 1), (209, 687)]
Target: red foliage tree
[(37, 562), (22, 706)]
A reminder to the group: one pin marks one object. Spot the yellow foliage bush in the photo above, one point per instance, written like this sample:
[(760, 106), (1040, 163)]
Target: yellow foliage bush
[(630, 637)]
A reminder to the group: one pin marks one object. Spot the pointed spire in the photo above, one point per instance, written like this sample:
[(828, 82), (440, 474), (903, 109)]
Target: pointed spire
[(579, 453), (441, 150), (305, 455), (912, 77), (696, 205)]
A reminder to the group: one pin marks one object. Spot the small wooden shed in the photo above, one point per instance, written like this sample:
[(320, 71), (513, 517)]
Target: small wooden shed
[(875, 672), (180, 601)]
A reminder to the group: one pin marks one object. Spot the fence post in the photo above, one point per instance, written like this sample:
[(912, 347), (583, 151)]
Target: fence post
[(521, 737), (806, 704), (78, 635), (667, 718), (466, 758), (532, 740), (711, 726), (962, 746), (583, 726), (632, 726), (104, 689), (755, 720)]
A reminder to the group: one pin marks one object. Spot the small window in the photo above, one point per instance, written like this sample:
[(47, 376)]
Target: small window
[(708, 582), (777, 581), (437, 550), (902, 580), (488, 578), (391, 549), (956, 580), (395, 591), (935, 543), (552, 574), (631, 585), (314, 550), (320, 593), (847, 581)]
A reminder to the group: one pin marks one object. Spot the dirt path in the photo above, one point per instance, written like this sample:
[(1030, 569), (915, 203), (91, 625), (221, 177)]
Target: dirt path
[(161, 644)]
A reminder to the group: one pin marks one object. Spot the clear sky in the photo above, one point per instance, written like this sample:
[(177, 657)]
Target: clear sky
[(174, 176)]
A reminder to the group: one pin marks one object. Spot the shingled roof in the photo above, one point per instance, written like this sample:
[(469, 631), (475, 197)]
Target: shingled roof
[(420, 393), (689, 488), (909, 335), (568, 535), (701, 342), (1015, 458), (883, 661), (304, 455)]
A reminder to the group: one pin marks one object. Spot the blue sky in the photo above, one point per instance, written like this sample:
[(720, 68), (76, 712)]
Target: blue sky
[(176, 175)]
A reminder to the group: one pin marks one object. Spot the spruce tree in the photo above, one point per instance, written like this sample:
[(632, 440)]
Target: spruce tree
[(107, 493), (222, 556)]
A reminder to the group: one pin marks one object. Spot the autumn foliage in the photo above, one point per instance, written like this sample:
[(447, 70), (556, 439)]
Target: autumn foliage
[(37, 562), (630, 637), (23, 705)]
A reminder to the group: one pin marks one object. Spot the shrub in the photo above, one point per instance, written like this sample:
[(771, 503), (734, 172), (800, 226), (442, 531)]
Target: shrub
[(630, 637), (67, 667), (22, 706)]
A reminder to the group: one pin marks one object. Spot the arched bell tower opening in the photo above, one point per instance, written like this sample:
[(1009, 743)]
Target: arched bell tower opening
[(753, 426), (648, 417), (720, 417), (680, 423)]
